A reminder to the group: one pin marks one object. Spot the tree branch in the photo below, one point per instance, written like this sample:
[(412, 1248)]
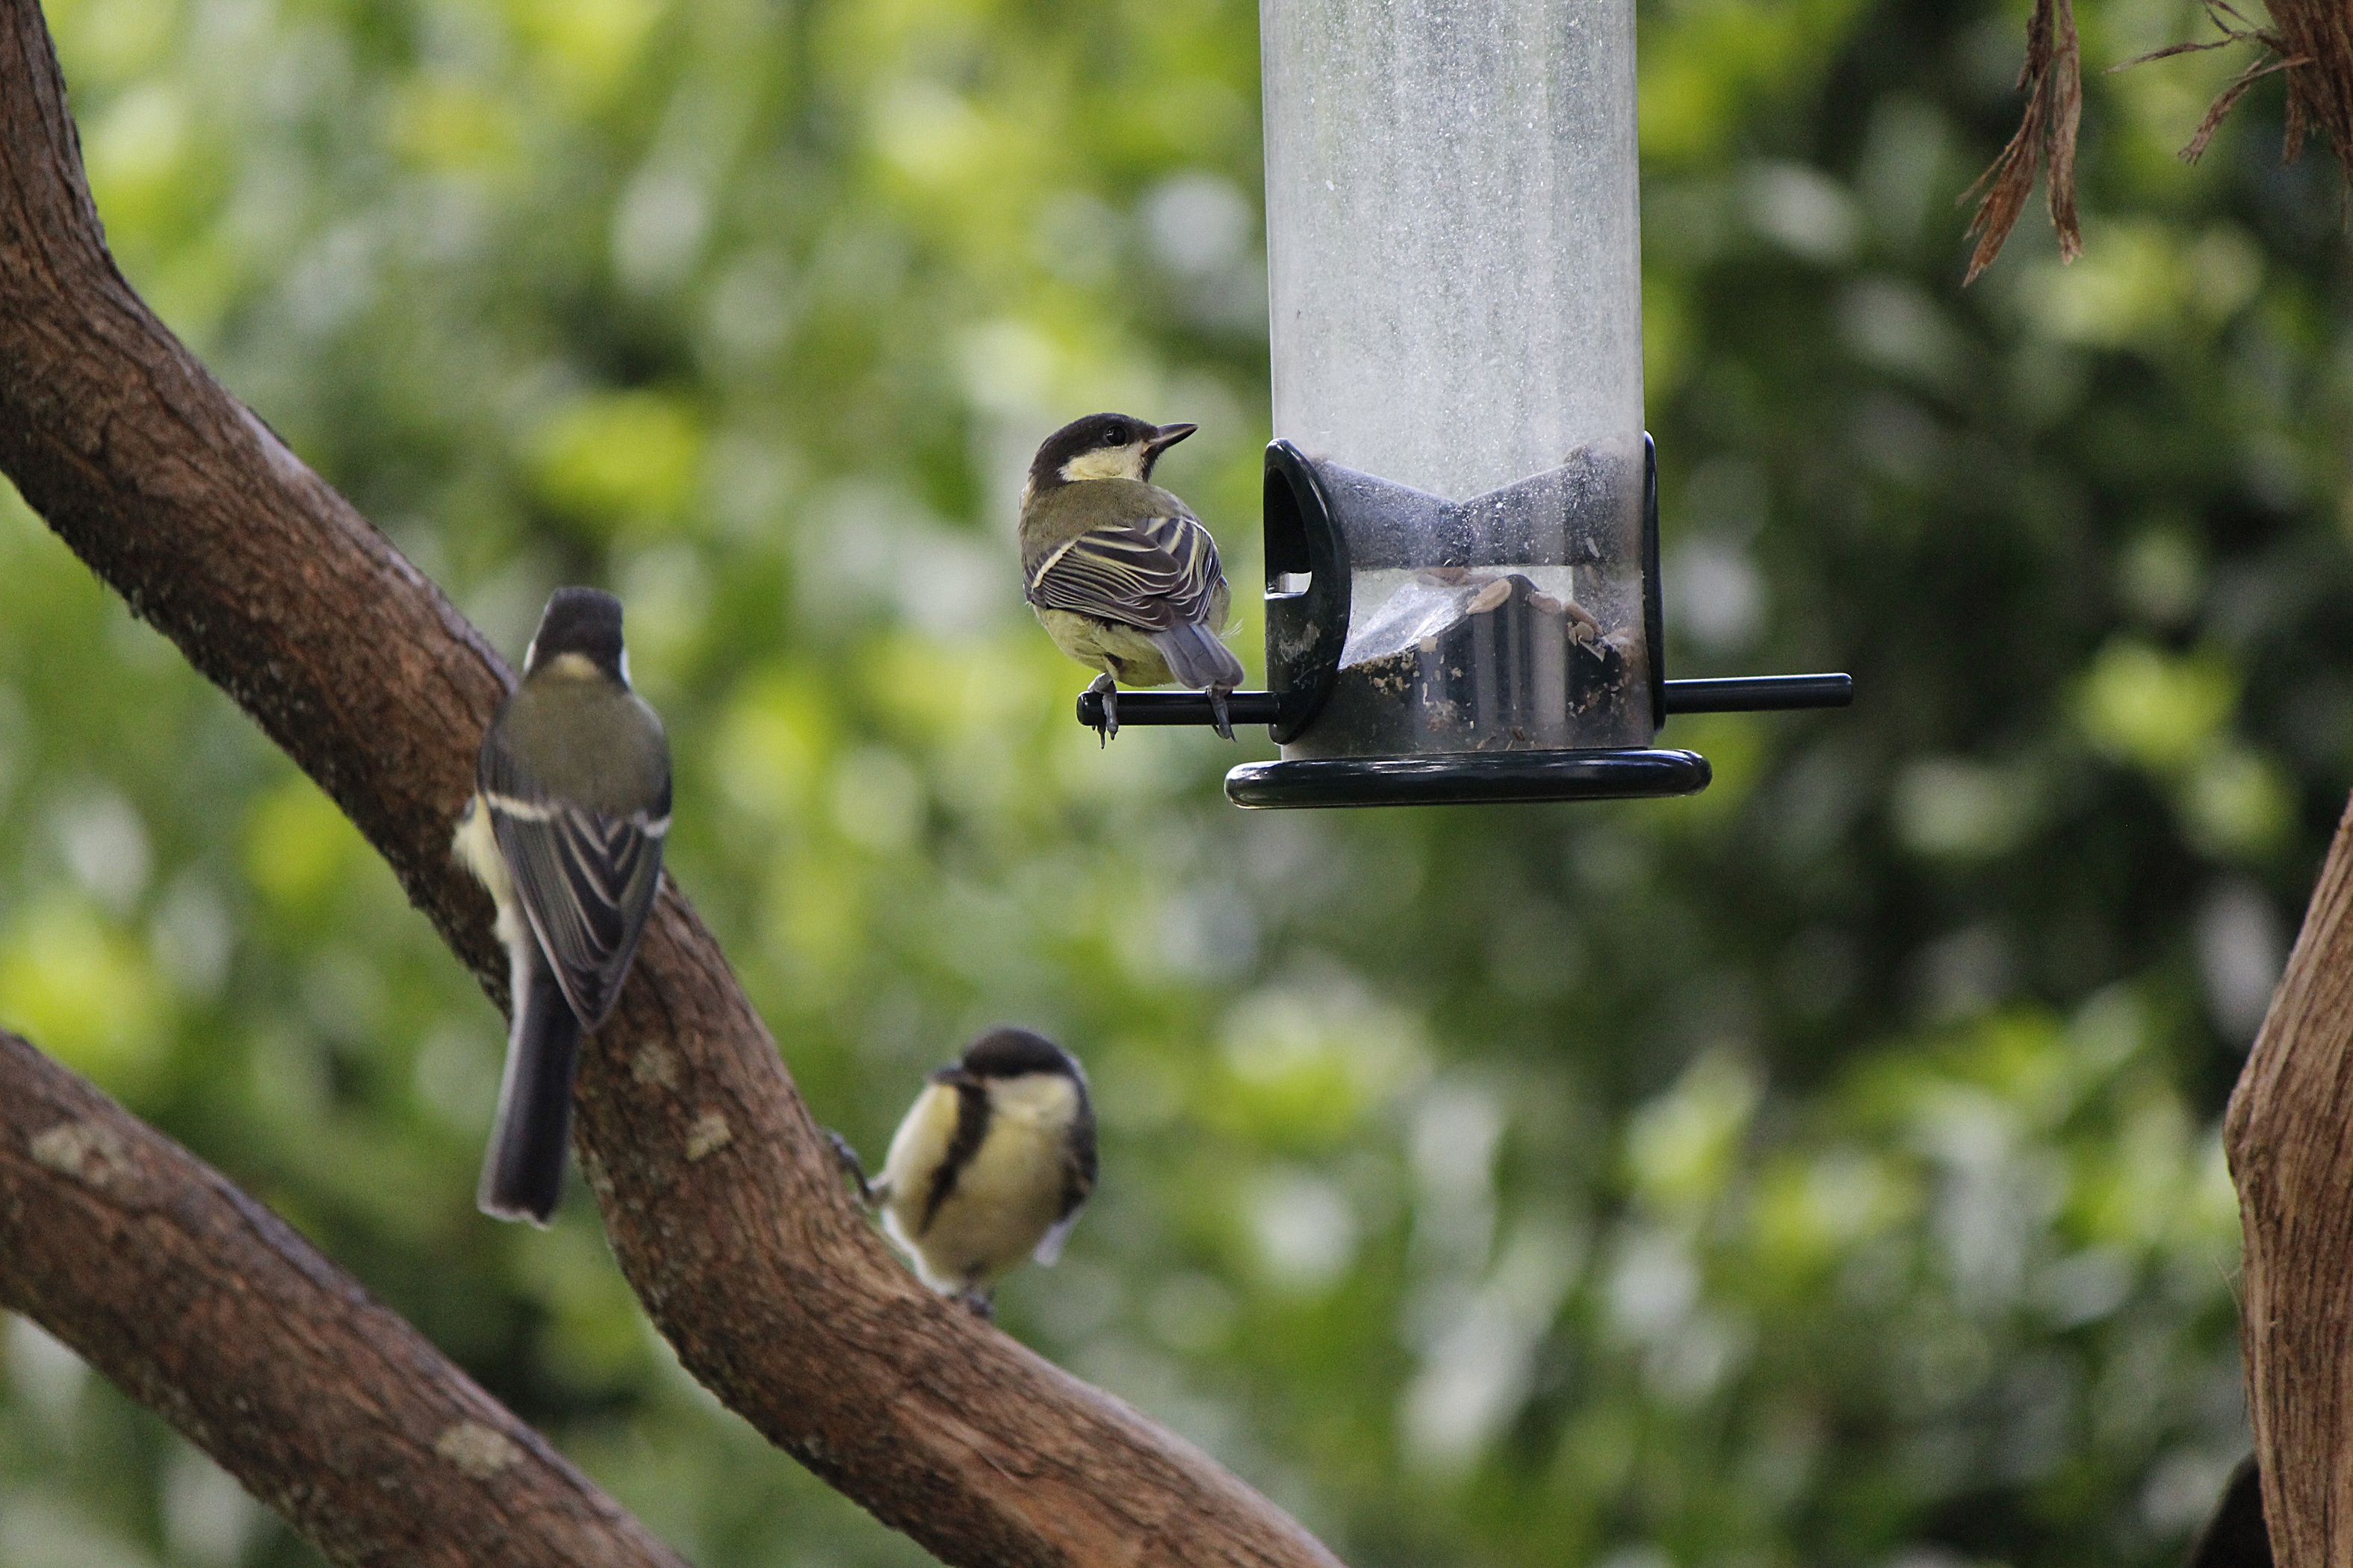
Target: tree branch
[(2286, 1135), (722, 1204), (211, 1311)]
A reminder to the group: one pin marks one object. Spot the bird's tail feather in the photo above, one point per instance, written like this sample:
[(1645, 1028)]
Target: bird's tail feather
[(1196, 658), (523, 1172)]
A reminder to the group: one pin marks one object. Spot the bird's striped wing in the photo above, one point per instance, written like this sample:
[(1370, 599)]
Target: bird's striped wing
[(586, 880), (1151, 573)]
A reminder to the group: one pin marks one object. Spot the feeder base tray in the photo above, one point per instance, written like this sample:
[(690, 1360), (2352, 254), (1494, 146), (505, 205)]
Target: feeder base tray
[(1470, 778)]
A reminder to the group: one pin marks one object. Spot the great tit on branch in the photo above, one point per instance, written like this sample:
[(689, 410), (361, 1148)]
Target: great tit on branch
[(991, 1164), (571, 803), (1122, 573)]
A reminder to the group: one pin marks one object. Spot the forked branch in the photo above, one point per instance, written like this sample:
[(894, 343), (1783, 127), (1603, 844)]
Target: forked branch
[(719, 1197)]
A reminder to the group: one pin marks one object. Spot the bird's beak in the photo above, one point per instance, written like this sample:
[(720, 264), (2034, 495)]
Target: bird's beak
[(1165, 437)]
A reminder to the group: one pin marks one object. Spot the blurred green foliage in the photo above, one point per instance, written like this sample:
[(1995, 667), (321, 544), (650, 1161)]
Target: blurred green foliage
[(1820, 1169)]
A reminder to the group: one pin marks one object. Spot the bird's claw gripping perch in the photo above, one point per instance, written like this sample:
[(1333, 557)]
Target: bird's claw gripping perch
[(1105, 688)]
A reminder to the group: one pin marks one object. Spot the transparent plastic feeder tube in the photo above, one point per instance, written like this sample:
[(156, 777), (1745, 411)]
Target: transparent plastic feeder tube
[(1456, 313)]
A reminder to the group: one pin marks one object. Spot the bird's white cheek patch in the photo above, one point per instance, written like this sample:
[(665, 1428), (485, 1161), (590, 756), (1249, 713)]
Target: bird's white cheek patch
[(1105, 463), (1047, 1100)]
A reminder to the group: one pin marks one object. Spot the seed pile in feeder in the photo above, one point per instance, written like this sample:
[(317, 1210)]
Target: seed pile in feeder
[(1480, 660)]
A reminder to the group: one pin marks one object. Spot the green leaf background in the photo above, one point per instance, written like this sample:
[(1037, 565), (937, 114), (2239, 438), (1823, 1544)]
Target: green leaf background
[(1822, 1170)]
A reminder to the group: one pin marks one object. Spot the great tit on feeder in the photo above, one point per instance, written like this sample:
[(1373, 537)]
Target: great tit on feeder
[(571, 803), (990, 1165), (1121, 573)]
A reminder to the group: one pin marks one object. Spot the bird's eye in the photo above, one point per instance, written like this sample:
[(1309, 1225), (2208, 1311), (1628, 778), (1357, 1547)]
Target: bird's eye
[(1116, 435)]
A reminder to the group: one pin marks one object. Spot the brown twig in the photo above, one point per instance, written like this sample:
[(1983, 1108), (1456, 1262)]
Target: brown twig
[(2278, 54), (2053, 81), (2228, 99), (721, 1199), (2311, 41), (206, 1307)]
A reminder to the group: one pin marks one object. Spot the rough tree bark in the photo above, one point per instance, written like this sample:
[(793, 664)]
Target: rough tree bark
[(722, 1204), (207, 1307), (2290, 1139)]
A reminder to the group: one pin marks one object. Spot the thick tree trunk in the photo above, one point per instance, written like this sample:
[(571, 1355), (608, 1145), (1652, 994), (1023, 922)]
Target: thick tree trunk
[(207, 1308), (2290, 1139), (723, 1204)]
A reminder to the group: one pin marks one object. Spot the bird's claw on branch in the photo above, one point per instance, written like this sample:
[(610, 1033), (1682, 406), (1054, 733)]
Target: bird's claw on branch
[(851, 1166)]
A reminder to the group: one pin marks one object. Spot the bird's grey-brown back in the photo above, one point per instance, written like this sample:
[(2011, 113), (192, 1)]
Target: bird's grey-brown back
[(1055, 517), (591, 741)]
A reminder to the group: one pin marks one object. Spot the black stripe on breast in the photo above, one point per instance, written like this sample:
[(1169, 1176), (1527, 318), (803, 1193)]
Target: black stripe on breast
[(972, 1126)]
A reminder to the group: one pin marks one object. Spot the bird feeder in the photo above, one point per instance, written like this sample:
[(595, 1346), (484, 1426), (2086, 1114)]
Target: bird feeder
[(1461, 503)]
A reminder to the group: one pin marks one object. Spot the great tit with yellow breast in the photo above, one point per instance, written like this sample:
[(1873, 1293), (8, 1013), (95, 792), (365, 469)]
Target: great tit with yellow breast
[(571, 803), (1122, 573), (991, 1164)]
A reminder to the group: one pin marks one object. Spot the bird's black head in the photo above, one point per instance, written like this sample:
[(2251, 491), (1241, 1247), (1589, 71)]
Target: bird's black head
[(1102, 446), (582, 621), (1013, 1053)]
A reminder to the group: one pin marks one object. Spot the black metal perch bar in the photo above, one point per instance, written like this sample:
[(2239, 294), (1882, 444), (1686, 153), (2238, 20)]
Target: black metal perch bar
[(1730, 694), (1756, 693)]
